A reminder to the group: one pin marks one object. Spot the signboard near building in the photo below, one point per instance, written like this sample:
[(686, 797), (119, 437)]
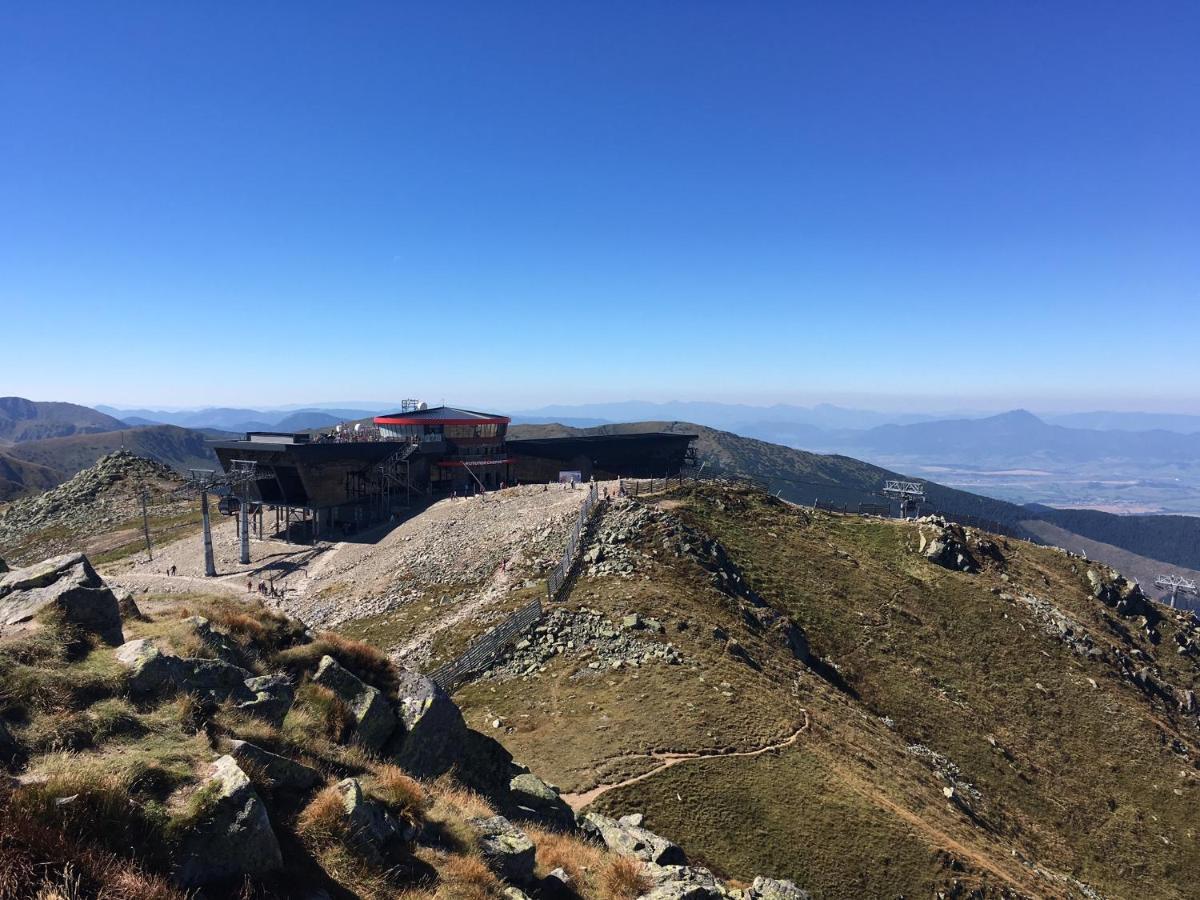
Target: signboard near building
[(572, 477)]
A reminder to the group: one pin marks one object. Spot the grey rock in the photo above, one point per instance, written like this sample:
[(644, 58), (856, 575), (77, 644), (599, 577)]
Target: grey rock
[(221, 645), (633, 840), (535, 799), (68, 584), (681, 882), (508, 850), (434, 731), (373, 831), (282, 772), (374, 720), (128, 608), (233, 835), (150, 670), (273, 697), (775, 889)]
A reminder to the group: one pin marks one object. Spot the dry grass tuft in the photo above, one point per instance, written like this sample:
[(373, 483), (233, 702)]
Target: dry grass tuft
[(323, 820), (365, 661), (328, 710), (467, 878), (447, 792), (400, 793), (580, 859), (622, 878)]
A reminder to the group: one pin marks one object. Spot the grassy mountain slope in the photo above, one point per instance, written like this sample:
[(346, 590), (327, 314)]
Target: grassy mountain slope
[(27, 420), (952, 732)]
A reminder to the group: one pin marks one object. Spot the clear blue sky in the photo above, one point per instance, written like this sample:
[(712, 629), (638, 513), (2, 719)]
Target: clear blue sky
[(994, 203)]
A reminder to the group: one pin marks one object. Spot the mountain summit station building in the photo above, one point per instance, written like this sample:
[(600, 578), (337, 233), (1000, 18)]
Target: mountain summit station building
[(328, 484)]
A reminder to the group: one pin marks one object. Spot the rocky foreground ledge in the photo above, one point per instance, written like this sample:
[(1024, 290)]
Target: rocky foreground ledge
[(295, 750)]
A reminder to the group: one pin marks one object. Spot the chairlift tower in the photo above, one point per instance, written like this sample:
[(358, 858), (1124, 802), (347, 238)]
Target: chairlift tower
[(1175, 584), (207, 481), (911, 494)]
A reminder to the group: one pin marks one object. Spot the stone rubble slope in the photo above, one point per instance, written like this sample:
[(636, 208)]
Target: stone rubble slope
[(453, 548), (95, 499)]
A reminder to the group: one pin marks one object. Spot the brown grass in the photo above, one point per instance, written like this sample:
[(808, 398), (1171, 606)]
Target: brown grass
[(400, 793), (622, 879), (328, 710), (581, 860), (323, 820), (368, 663), (467, 878)]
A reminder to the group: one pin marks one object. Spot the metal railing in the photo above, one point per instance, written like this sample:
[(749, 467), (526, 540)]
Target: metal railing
[(559, 574), (484, 649)]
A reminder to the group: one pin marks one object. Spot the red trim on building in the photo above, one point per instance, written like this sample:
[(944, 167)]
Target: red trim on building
[(401, 420), (458, 464)]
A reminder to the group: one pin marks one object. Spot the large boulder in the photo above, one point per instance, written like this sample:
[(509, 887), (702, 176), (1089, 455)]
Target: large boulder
[(151, 671), (945, 544), (508, 850), (68, 585), (374, 720), (280, 771), (1114, 590), (679, 882), (273, 697), (434, 731), (775, 889), (372, 830), (629, 839), (222, 646), (532, 798), (232, 836)]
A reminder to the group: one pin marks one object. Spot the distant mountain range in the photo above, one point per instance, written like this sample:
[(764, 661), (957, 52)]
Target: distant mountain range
[(233, 419), (27, 420)]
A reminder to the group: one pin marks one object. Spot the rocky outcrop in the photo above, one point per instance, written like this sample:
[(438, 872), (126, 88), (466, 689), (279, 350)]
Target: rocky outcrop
[(532, 798), (221, 645), (373, 831), (280, 771), (273, 697), (69, 586), (631, 839), (507, 849), (775, 889), (374, 721), (151, 671), (1119, 593), (434, 732), (231, 836), (945, 544)]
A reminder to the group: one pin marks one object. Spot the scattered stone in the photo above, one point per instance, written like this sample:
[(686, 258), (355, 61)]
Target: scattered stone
[(507, 849), (128, 608), (69, 585), (683, 882), (232, 836), (374, 721), (282, 772)]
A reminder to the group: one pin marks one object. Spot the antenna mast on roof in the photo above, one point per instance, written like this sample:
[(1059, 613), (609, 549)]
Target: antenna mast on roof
[(409, 405)]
